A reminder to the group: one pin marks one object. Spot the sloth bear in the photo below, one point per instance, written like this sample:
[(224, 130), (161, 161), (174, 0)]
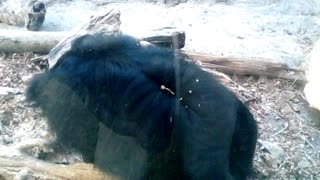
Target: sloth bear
[(166, 117)]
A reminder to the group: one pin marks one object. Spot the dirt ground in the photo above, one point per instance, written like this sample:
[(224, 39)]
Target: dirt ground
[(284, 30)]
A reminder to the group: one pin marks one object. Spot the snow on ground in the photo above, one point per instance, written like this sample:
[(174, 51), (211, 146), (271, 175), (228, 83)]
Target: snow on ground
[(282, 30)]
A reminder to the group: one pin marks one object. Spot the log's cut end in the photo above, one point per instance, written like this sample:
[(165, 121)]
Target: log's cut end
[(312, 88), (312, 93)]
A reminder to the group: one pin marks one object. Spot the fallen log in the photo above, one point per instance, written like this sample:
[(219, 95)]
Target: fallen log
[(15, 41), (18, 40), (249, 66), (14, 164)]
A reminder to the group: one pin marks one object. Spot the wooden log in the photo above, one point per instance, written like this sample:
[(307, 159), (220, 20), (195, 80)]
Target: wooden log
[(15, 41), (13, 163), (248, 66)]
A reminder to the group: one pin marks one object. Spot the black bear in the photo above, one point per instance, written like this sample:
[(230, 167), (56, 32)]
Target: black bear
[(187, 125)]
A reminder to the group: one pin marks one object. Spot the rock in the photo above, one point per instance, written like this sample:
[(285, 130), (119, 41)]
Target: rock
[(286, 110), (26, 78), (6, 90), (6, 139), (303, 164), (296, 107), (25, 174), (274, 154)]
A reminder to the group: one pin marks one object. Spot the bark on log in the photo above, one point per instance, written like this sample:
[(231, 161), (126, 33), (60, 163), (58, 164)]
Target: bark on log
[(13, 163)]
